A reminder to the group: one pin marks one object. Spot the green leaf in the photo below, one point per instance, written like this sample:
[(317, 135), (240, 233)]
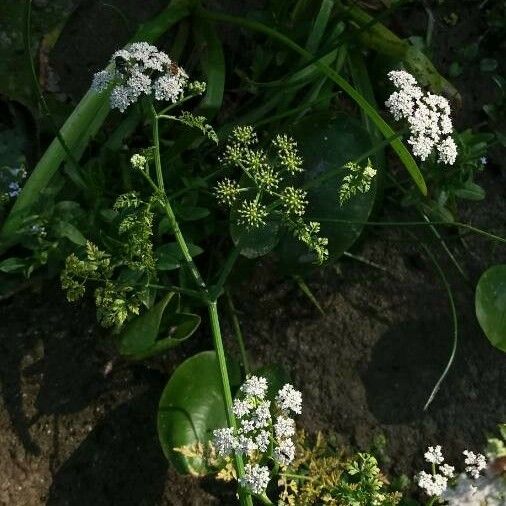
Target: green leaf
[(190, 408), (326, 144), (65, 229), (170, 257), (490, 304), (140, 337), (470, 191), (488, 65), (12, 264), (255, 242), (191, 213)]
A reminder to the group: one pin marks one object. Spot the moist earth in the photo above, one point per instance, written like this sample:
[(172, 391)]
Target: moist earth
[(77, 424)]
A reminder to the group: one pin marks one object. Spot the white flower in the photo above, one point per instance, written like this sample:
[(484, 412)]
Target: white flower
[(120, 98), (289, 399), (262, 440), (434, 455), (261, 415), (490, 491), (284, 427), (254, 386), (433, 485), (241, 407), (256, 478), (245, 444), (139, 70), (427, 115), (168, 88), (447, 470), (248, 425), (138, 161), (138, 84), (284, 452), (483, 160), (402, 79), (224, 441), (474, 463), (101, 80), (447, 150)]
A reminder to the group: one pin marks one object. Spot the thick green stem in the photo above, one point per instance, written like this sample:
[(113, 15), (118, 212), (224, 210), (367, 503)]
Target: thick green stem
[(170, 213), (227, 393), (244, 496)]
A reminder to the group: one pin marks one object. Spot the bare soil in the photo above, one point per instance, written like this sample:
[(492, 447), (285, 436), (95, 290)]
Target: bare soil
[(77, 425)]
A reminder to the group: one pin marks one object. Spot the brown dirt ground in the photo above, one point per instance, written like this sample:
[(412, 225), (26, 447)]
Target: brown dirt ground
[(77, 427)]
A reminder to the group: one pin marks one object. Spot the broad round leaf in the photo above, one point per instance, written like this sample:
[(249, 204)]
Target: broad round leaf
[(327, 143), (191, 407), (490, 303), (255, 242)]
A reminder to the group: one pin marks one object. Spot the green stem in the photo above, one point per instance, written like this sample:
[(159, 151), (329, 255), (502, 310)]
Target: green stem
[(455, 323), (244, 496), (158, 162), (264, 499), (170, 213), (237, 331)]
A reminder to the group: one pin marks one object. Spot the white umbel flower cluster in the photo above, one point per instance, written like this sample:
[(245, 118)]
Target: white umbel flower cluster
[(264, 430), (434, 455), (484, 491), (475, 463), (437, 483), (432, 484), (290, 399), (138, 70), (256, 478), (428, 117)]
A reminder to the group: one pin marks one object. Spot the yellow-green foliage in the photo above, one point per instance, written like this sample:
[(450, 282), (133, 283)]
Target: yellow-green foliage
[(319, 475)]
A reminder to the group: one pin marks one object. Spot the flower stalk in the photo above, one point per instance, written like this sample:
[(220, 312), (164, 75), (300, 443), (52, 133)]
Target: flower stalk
[(244, 496)]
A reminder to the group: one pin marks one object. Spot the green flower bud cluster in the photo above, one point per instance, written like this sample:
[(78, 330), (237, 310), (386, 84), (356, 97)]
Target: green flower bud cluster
[(358, 180), (267, 186)]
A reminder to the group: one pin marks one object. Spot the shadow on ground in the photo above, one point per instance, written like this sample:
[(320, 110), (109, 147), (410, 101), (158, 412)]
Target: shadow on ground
[(119, 463)]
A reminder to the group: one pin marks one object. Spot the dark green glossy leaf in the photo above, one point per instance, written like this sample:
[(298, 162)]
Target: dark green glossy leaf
[(162, 327), (327, 144), (490, 303), (255, 242), (191, 407)]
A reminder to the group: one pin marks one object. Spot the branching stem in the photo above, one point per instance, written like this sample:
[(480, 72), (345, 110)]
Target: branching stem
[(244, 496)]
